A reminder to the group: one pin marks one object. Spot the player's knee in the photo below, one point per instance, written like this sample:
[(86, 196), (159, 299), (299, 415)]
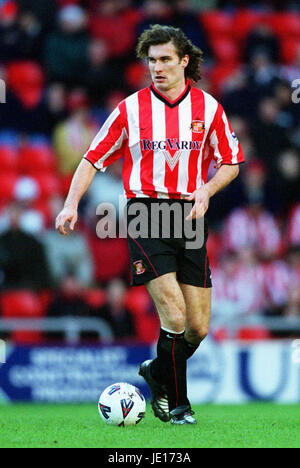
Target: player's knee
[(197, 334)]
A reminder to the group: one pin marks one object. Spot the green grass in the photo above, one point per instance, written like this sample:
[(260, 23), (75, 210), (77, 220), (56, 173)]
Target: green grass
[(253, 425)]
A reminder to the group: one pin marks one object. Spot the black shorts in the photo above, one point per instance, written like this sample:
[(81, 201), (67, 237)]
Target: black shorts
[(167, 251)]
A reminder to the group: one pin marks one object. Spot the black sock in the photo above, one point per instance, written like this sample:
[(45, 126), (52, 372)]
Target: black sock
[(169, 368), (190, 348)]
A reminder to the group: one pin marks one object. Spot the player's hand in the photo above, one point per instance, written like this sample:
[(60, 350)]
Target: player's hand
[(67, 215), (201, 197)]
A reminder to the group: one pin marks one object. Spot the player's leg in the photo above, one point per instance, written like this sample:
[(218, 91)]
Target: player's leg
[(169, 367), (198, 310)]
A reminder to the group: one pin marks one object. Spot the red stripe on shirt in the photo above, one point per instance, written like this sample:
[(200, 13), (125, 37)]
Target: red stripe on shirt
[(128, 163), (146, 132), (198, 113)]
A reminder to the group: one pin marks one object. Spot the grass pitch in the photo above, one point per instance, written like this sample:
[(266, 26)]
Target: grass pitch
[(253, 425)]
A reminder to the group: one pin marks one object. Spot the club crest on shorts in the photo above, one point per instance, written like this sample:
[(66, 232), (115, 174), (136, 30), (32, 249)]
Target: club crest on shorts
[(139, 267), (197, 126)]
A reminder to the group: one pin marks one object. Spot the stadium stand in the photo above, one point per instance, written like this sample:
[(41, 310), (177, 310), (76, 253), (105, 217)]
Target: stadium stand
[(53, 106)]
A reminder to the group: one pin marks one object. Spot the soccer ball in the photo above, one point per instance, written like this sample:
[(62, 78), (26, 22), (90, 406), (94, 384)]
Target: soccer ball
[(122, 404)]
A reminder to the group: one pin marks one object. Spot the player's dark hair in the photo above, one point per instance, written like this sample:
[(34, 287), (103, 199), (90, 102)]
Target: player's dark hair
[(158, 34)]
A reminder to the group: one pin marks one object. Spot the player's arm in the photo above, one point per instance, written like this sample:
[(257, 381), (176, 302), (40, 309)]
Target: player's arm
[(81, 181), (201, 196)]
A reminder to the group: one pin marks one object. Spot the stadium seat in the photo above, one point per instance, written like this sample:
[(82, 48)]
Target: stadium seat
[(8, 182), (286, 24), (26, 79), (220, 74), (22, 304), (289, 50), (49, 184), (36, 159), (225, 49), (8, 158), (95, 298), (246, 20), (137, 300), (217, 23)]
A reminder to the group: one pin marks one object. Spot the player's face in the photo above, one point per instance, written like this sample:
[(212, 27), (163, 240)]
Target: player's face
[(166, 68)]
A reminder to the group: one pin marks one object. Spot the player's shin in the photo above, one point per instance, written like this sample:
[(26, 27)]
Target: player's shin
[(169, 367)]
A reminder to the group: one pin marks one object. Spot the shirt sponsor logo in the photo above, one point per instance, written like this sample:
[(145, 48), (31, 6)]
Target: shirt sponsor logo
[(171, 144)]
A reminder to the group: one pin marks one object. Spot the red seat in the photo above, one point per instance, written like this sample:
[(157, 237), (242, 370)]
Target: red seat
[(49, 184), (137, 300), (8, 182), (26, 79), (225, 50), (246, 20), (217, 23), (34, 159), (220, 74), (286, 24), (22, 304), (95, 298), (289, 50), (8, 158)]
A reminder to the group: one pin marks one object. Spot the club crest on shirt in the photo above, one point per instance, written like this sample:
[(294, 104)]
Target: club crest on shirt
[(139, 267), (197, 126)]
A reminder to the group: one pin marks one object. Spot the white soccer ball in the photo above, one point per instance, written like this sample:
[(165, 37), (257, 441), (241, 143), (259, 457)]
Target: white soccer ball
[(122, 404)]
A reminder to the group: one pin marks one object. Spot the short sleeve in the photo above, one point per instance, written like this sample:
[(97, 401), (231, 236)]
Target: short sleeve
[(223, 143), (108, 144)]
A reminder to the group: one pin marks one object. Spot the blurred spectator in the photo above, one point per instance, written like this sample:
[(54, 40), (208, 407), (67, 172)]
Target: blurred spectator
[(20, 34), (22, 257), (287, 167), (262, 40), (44, 11), (252, 227), (107, 188), (262, 75), (67, 255), (56, 102), (238, 284), (293, 305), (185, 17), (103, 74), (119, 316), (25, 110), (10, 41), (289, 114), (277, 277), (155, 12), (72, 137), (269, 137), (69, 300), (111, 19), (240, 98), (66, 49), (293, 231), (31, 221)]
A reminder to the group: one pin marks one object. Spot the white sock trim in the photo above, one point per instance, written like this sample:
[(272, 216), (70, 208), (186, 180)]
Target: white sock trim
[(171, 331)]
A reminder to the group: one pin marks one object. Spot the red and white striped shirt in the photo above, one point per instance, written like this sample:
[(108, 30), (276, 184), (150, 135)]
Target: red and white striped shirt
[(167, 146)]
